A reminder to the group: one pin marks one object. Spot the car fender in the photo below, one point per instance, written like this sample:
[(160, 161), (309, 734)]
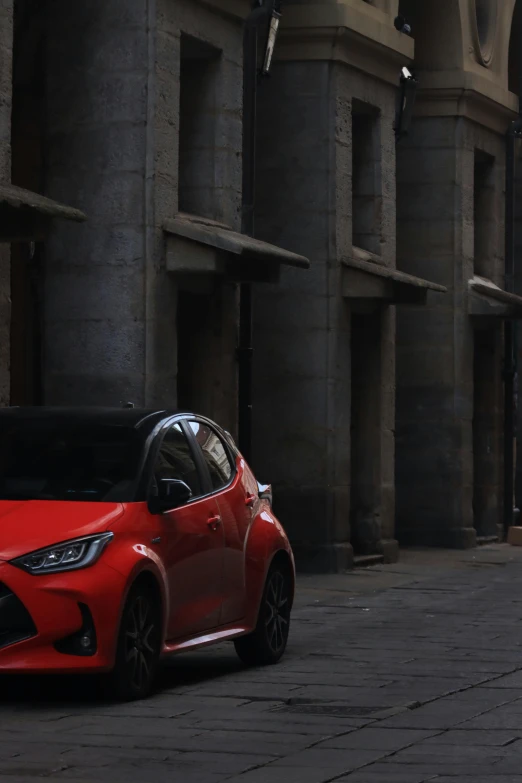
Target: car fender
[(265, 539), (132, 559)]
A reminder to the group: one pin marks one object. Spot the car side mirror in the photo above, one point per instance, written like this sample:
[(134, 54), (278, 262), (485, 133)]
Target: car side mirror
[(265, 492), (172, 494)]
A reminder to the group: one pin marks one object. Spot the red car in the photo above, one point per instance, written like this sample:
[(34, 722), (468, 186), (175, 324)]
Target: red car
[(128, 535)]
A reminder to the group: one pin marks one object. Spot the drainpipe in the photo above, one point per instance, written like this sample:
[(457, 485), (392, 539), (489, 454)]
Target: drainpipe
[(510, 328), (270, 15)]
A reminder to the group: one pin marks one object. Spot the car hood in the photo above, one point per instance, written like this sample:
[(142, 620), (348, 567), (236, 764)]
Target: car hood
[(27, 525)]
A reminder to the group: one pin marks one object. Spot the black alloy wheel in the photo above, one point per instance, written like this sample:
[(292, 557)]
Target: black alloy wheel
[(267, 644), (139, 645)]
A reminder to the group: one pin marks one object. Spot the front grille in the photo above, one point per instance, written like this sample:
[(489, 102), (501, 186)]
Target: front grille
[(16, 624)]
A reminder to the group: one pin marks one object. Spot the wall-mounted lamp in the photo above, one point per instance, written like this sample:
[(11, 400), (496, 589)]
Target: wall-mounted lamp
[(273, 30), (405, 103)]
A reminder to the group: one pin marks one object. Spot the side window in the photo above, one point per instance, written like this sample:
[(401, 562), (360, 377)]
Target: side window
[(214, 453), (175, 460)]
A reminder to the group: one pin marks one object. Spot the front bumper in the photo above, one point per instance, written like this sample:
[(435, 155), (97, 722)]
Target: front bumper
[(37, 612)]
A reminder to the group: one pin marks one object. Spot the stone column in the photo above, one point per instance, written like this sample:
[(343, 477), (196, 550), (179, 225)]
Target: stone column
[(435, 369), (97, 291), (302, 327)]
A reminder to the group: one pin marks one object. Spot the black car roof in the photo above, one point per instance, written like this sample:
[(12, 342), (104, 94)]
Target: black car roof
[(142, 419)]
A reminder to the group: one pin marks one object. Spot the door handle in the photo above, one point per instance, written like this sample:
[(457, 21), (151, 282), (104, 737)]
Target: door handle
[(214, 522), (250, 500)]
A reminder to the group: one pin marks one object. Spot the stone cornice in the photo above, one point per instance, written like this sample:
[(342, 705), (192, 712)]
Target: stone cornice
[(341, 45), (459, 94), (339, 33)]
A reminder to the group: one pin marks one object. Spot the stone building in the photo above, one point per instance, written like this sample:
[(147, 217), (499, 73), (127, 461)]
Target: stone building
[(132, 113), (451, 221), (349, 394)]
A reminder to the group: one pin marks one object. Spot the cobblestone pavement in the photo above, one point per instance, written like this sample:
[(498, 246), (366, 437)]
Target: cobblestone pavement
[(395, 674)]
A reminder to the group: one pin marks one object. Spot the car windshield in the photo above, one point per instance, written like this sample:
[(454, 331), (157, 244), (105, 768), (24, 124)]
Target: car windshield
[(68, 460)]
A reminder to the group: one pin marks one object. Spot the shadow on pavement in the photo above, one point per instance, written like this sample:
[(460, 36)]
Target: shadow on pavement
[(181, 671)]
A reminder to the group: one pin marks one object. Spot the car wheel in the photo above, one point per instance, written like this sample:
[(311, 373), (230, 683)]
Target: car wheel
[(139, 644), (267, 643)]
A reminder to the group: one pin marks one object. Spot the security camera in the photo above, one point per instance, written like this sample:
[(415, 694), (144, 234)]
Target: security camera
[(402, 25)]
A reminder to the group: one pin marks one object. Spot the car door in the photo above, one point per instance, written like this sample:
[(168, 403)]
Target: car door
[(236, 507), (192, 546)]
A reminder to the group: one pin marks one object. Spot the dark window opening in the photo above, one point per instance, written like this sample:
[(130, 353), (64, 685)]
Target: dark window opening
[(365, 433), (487, 429), (366, 178), (199, 74), (484, 214)]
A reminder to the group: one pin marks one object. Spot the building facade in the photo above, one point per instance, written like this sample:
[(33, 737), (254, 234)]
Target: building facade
[(451, 216), (378, 378), (132, 112), (388, 396)]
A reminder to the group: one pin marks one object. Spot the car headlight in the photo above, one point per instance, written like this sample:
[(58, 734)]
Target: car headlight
[(69, 556)]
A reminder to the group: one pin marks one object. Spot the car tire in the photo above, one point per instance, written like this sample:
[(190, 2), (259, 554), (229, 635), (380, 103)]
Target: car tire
[(139, 645), (266, 645)]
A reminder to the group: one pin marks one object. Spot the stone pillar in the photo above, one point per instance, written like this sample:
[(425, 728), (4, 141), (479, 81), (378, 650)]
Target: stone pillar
[(435, 345), (302, 327), (97, 282)]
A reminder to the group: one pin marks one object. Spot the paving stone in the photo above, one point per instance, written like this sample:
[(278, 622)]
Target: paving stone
[(401, 777), (501, 718), (156, 773), (136, 727), (272, 774), (429, 770), (512, 680), (435, 716), (493, 778), (337, 761), (285, 724), (378, 739), (475, 737)]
